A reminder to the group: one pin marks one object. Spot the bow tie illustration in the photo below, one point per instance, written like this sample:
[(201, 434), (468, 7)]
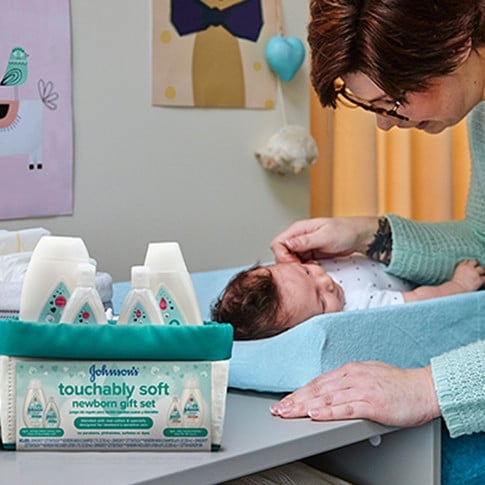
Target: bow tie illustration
[(244, 20)]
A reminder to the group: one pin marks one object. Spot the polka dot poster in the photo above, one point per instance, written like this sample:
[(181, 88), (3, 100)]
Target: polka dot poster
[(211, 53)]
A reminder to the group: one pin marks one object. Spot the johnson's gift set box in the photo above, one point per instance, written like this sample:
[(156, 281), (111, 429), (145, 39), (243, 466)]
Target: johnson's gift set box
[(72, 379)]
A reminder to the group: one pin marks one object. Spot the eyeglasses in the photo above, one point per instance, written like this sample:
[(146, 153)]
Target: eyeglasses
[(350, 97)]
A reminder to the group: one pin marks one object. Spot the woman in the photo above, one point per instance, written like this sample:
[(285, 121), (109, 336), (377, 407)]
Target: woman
[(414, 64)]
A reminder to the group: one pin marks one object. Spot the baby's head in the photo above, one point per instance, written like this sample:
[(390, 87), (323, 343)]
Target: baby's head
[(266, 300)]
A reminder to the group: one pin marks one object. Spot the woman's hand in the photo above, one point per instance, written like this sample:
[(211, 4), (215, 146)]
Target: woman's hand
[(468, 276), (323, 237), (369, 390)]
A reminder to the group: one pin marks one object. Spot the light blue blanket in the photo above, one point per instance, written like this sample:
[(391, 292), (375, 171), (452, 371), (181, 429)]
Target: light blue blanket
[(406, 335)]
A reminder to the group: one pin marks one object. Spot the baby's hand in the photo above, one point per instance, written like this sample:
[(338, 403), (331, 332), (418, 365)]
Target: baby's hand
[(469, 275)]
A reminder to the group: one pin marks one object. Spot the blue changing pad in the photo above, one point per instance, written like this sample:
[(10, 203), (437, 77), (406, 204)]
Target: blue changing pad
[(404, 335)]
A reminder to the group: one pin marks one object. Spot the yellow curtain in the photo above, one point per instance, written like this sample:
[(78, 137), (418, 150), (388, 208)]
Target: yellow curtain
[(362, 170)]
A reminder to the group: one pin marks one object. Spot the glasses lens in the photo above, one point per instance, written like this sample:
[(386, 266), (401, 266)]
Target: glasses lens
[(350, 100)]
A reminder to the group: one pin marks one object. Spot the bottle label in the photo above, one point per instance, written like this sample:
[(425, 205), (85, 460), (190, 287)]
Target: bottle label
[(86, 315), (106, 405), (139, 315), (55, 304), (170, 311)]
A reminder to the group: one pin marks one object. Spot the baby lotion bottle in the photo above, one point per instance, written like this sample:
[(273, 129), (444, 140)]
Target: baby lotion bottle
[(139, 306), (171, 284), (52, 418), (34, 405), (51, 277), (174, 416), (192, 404), (84, 305)]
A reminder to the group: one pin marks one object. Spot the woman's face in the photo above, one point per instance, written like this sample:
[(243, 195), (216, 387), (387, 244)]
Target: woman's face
[(443, 104)]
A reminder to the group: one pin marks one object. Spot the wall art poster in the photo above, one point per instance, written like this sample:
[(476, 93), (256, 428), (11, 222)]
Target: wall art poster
[(36, 127), (210, 53)]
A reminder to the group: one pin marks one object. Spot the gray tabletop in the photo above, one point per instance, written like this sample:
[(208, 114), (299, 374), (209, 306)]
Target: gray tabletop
[(253, 440)]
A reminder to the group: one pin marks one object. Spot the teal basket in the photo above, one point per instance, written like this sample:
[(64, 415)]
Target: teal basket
[(210, 341)]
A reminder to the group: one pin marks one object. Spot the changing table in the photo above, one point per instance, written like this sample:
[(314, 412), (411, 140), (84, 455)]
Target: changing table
[(253, 440)]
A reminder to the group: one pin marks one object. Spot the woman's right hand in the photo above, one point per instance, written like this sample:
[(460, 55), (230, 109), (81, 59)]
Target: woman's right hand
[(324, 237)]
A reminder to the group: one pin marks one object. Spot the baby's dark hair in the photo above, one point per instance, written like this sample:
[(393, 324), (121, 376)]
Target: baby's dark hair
[(249, 302)]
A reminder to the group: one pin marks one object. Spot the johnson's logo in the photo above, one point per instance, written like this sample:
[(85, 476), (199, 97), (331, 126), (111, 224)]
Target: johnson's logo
[(105, 371)]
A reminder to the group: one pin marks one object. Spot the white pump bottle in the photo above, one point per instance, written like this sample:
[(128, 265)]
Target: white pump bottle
[(139, 306), (84, 305)]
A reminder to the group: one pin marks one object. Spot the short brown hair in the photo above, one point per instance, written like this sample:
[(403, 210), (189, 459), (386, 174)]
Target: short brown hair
[(399, 44), (250, 302)]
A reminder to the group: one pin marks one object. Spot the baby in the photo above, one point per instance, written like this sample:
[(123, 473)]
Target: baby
[(263, 301)]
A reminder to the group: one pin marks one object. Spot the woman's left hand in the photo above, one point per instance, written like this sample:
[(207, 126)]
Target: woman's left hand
[(368, 390)]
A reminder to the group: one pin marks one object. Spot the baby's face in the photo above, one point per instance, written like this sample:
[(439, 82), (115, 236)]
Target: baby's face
[(306, 290)]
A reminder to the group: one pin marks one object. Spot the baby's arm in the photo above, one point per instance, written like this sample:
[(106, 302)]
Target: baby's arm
[(468, 276)]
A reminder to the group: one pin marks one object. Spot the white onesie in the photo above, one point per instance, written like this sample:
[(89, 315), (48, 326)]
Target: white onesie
[(365, 283)]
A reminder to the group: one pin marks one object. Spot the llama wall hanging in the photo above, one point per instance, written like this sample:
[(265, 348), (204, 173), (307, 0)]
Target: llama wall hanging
[(35, 109), (211, 53)]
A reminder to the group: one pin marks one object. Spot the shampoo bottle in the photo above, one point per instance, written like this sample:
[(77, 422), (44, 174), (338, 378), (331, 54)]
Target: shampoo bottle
[(139, 306), (84, 305), (34, 405), (51, 277), (174, 416), (52, 418), (192, 404), (171, 284)]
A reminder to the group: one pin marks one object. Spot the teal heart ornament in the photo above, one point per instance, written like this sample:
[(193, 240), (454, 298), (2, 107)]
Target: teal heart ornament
[(285, 56)]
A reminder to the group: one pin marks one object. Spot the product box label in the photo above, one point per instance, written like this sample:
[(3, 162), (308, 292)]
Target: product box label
[(113, 405)]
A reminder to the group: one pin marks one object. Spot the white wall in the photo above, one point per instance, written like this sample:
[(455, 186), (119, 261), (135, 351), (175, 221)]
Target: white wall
[(146, 173)]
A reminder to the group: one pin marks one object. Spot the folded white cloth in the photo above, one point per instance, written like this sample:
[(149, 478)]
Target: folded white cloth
[(14, 265), (22, 240)]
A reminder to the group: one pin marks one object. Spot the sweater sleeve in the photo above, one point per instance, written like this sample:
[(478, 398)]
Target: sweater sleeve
[(459, 377), (427, 253)]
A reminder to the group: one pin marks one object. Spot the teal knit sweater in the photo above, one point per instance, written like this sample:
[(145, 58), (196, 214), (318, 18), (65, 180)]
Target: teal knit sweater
[(427, 253)]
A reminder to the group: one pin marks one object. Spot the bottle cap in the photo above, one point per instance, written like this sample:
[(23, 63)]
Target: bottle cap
[(140, 277), (165, 257), (86, 275), (61, 248)]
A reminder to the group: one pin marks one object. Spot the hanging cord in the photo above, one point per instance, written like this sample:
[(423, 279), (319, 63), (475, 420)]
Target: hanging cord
[(279, 89), (281, 100)]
